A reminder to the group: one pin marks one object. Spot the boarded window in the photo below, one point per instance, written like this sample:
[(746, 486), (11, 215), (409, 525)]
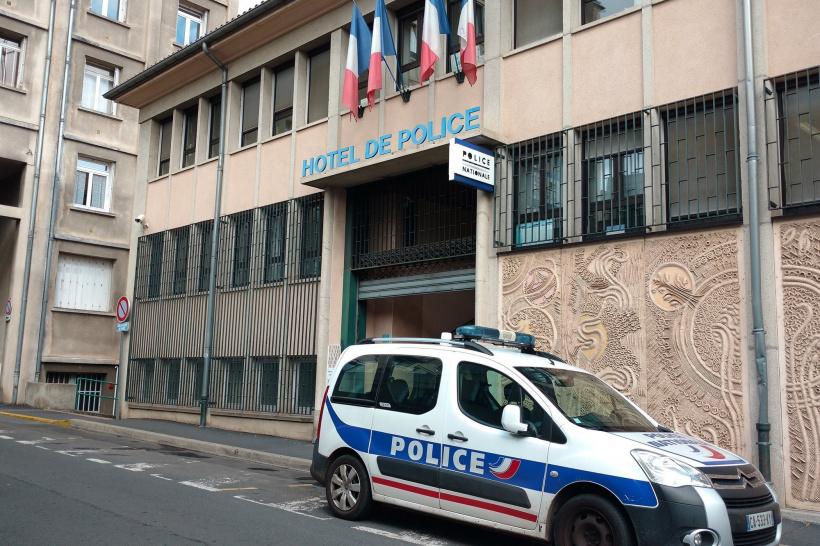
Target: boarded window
[(83, 283)]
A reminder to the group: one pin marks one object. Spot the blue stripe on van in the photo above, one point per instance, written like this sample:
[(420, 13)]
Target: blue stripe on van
[(356, 437), (628, 491)]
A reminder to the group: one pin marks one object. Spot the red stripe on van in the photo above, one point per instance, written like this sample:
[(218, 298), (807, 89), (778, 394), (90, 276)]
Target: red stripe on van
[(459, 500)]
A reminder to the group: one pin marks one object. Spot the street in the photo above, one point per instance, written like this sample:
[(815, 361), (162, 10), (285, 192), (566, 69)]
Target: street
[(64, 486)]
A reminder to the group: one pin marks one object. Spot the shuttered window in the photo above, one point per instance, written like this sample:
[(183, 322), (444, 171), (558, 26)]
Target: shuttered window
[(83, 283)]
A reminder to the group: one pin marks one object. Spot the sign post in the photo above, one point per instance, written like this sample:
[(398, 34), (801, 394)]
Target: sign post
[(123, 309)]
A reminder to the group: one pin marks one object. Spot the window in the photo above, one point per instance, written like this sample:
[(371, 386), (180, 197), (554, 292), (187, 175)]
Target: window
[(10, 51), (268, 383), (318, 84), (213, 124), (147, 377), (358, 381), (598, 9), (171, 368), (165, 127), (250, 111), (98, 80), (234, 377), (538, 198), (92, 184), (798, 134), (155, 246), (282, 100), (275, 236), (190, 26), (411, 384), (536, 20), (483, 393), (83, 283), (310, 260), (410, 24), (113, 9), (205, 230), (242, 224), (196, 367), (613, 175), (180, 236), (701, 158), (454, 11), (189, 136), (305, 368)]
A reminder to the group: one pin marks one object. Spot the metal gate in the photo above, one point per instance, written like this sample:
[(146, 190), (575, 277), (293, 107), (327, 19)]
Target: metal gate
[(89, 393)]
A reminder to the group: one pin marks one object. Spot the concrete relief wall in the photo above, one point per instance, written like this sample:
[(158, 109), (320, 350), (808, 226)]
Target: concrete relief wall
[(799, 300), (659, 319)]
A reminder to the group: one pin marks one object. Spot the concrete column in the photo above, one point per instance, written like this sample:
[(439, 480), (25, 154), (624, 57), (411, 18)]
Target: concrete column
[(323, 305), (338, 61)]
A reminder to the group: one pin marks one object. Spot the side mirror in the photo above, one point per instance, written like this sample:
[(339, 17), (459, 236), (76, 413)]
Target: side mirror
[(511, 420)]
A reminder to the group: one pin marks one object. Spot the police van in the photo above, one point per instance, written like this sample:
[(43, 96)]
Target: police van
[(483, 428)]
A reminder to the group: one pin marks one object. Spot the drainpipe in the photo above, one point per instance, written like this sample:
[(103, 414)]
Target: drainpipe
[(38, 160), (55, 192), (763, 426), (209, 313)]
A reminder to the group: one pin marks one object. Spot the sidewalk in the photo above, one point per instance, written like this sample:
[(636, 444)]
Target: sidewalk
[(799, 527), (293, 454)]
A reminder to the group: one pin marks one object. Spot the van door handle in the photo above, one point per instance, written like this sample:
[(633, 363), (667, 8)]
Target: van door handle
[(457, 436), (425, 430)]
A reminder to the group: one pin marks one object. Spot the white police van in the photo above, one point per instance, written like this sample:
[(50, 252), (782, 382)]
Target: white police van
[(498, 434)]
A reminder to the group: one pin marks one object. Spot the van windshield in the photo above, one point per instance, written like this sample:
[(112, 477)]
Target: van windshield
[(587, 401)]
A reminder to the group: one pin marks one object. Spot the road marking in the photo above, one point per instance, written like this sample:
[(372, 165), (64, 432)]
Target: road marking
[(67, 453), (292, 507), (407, 536), (238, 489), (161, 477), (200, 486), (43, 447), (7, 437), (99, 461), (35, 442), (138, 467), (302, 485)]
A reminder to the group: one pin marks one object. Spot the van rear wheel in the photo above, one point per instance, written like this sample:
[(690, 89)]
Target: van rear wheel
[(348, 488), (590, 520)]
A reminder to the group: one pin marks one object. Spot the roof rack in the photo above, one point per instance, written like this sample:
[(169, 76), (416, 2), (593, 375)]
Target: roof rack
[(473, 346)]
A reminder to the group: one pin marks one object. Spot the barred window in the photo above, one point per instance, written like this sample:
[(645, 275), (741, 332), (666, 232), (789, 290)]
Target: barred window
[(310, 260), (275, 237), (155, 244), (242, 226), (205, 230), (538, 196), (180, 237)]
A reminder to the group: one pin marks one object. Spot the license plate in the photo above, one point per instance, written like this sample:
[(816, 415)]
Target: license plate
[(761, 520)]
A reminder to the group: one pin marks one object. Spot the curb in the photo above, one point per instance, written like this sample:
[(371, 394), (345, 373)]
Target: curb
[(64, 423), (291, 463)]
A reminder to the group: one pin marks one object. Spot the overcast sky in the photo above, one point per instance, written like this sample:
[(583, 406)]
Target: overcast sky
[(245, 4)]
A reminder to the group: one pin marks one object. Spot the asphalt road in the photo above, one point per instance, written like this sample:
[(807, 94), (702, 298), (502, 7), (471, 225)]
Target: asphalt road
[(64, 486)]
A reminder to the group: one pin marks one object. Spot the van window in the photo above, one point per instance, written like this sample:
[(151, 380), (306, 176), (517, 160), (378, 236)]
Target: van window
[(357, 381), (411, 384), (483, 393)]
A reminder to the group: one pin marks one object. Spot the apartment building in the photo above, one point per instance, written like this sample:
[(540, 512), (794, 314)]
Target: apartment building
[(68, 169), (622, 231)]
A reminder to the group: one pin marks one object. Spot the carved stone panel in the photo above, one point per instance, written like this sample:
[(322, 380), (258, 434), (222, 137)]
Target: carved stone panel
[(659, 319), (800, 358)]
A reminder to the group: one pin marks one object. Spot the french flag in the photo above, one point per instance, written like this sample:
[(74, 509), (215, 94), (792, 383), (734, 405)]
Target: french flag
[(381, 45), (435, 24), (466, 33), (357, 55)]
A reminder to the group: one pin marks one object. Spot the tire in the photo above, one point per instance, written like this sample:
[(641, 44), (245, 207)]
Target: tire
[(348, 488), (590, 520)]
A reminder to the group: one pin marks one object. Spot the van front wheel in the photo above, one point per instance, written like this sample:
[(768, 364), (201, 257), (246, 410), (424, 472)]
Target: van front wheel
[(590, 520), (348, 488)]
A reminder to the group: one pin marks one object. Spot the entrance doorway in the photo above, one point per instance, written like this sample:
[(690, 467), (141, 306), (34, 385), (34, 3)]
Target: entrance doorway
[(425, 315)]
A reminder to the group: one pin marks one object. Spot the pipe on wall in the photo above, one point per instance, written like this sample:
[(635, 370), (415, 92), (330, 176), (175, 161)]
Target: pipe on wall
[(759, 333), (209, 313), (38, 161)]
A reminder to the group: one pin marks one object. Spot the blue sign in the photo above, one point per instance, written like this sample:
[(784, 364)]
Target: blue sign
[(123, 326), (418, 135)]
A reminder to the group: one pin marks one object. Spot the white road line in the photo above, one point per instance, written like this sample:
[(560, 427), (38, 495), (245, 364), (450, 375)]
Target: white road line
[(285, 507), (138, 467), (407, 536), (99, 461), (162, 477), (7, 437), (43, 447), (67, 453), (200, 486)]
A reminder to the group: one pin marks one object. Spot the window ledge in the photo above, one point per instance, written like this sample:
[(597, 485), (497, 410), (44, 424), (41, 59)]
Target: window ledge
[(15, 89), (89, 210), (109, 19), (532, 45), (624, 13), (98, 113), (313, 124), (158, 178), (82, 312), (242, 148), (277, 137), (183, 169), (209, 160)]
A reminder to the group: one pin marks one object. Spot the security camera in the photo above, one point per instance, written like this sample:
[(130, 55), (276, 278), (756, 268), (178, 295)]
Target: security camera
[(139, 219)]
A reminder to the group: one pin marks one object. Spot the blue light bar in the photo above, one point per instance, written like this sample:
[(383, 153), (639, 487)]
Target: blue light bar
[(494, 334)]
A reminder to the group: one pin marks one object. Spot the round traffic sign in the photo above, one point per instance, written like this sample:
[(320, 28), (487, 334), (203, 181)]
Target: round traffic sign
[(123, 307), (8, 308)]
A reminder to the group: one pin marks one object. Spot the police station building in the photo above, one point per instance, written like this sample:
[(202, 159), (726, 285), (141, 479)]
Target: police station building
[(622, 226)]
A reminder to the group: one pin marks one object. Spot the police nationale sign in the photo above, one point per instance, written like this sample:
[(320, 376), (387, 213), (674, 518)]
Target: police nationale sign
[(472, 165), (447, 126)]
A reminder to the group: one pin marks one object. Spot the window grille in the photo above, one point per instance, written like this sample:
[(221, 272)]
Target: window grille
[(265, 311), (792, 106)]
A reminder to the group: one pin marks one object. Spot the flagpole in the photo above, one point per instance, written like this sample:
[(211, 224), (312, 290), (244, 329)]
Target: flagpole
[(459, 74)]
